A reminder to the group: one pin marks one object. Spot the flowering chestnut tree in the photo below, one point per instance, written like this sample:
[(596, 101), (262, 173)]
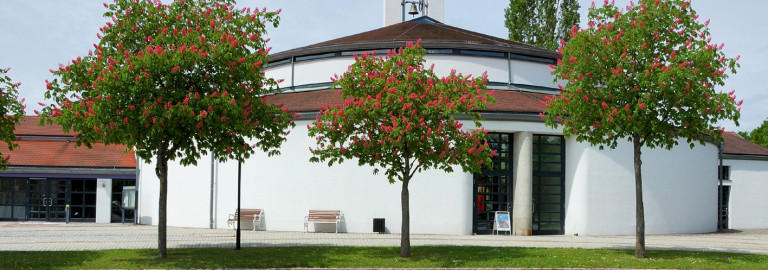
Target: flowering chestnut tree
[(11, 112), (647, 75), (174, 81), (400, 116)]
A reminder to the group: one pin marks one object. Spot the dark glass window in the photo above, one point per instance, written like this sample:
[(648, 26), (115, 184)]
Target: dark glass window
[(281, 62), (381, 52), (483, 53), (725, 172), (82, 200), (117, 200), (13, 197), (532, 59), (316, 56), (439, 51)]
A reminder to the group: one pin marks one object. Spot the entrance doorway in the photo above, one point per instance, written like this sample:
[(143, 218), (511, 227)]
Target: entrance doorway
[(548, 184), (47, 199), (493, 186)]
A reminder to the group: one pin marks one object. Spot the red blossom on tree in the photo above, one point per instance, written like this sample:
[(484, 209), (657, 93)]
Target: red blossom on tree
[(400, 116), (135, 88), (11, 112), (657, 63)]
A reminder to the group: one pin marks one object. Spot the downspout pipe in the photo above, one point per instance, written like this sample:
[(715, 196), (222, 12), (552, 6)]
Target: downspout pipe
[(213, 160), (720, 187), (137, 204)]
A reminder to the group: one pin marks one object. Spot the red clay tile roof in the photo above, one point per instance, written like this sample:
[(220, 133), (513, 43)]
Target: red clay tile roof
[(64, 154), (736, 145), (29, 126), (433, 34), (46, 146), (312, 101)]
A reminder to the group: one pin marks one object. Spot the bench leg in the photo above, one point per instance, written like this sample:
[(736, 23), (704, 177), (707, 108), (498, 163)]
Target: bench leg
[(306, 227)]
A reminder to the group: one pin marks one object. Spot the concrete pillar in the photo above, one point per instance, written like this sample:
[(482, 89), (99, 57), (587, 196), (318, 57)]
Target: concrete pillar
[(522, 208), (103, 200)]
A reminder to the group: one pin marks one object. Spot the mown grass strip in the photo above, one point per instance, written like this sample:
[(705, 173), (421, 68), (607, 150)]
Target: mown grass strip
[(348, 257)]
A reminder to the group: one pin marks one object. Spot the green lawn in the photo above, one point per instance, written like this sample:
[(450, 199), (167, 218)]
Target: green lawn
[(345, 257)]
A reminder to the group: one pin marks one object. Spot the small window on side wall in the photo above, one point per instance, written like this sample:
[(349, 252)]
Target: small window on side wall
[(725, 172)]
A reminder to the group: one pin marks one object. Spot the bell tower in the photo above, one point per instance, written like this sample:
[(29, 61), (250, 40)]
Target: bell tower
[(397, 11)]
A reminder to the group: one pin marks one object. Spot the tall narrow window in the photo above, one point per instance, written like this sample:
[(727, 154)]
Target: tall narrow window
[(548, 184)]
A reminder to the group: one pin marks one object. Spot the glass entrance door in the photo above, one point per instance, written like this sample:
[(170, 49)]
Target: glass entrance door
[(493, 186), (47, 199), (548, 184)]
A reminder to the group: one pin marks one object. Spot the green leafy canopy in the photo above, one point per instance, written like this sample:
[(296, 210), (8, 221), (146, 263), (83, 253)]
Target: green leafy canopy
[(11, 112), (180, 79), (400, 116), (541, 23), (759, 135), (649, 72)]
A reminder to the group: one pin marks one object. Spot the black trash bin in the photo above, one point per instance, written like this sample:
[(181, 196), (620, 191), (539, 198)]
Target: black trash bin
[(378, 225)]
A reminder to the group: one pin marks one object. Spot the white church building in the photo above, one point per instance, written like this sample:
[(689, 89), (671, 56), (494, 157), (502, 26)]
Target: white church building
[(549, 184)]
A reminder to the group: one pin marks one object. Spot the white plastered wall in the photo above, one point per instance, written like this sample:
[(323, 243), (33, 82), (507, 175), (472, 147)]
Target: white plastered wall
[(188, 194), (104, 200), (748, 208), (497, 68), (679, 189), (320, 70), (288, 185)]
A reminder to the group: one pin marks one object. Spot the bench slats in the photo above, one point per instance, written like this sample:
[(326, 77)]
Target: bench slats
[(322, 216), (248, 215)]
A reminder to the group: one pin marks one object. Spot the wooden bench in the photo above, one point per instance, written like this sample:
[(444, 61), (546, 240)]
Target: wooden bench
[(248, 215), (323, 216)]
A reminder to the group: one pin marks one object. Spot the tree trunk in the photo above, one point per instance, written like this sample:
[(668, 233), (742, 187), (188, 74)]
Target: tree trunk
[(639, 209), (405, 235), (161, 170)]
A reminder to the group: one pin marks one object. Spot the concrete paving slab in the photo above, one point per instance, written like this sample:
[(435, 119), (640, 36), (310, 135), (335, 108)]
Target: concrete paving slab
[(37, 236)]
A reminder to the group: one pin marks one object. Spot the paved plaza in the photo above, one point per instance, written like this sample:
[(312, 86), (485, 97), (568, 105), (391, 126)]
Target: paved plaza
[(91, 236)]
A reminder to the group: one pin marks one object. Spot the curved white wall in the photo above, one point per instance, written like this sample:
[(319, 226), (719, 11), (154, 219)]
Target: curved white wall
[(320, 70), (497, 68), (748, 207), (679, 189), (281, 72)]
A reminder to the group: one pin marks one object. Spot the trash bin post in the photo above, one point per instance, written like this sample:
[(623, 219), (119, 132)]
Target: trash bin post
[(378, 225)]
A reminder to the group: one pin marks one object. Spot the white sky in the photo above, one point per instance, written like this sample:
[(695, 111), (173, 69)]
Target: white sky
[(37, 35)]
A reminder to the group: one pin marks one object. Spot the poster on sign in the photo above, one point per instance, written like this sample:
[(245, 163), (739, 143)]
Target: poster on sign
[(501, 222)]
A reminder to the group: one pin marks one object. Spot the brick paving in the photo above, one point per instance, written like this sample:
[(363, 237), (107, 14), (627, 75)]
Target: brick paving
[(90, 236)]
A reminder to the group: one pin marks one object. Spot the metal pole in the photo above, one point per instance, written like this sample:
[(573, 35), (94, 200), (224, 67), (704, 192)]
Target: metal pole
[(720, 188), (402, 5), (239, 166)]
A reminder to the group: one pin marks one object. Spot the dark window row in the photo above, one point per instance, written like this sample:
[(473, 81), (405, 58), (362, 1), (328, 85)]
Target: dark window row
[(428, 51)]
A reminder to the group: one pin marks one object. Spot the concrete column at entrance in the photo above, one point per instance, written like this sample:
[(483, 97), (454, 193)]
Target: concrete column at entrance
[(104, 200), (522, 209)]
